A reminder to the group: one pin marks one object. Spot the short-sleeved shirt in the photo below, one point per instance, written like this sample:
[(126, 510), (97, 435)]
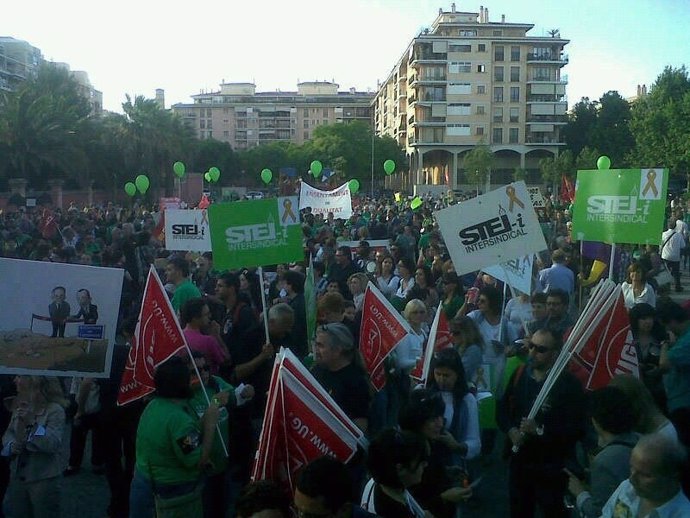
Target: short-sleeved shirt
[(349, 387), (169, 442), (184, 292)]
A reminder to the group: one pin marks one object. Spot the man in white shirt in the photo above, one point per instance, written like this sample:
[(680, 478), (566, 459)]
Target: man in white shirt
[(672, 242), (653, 489)]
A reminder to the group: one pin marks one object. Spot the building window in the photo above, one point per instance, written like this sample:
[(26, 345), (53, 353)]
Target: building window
[(513, 134), (459, 109), (498, 136), (498, 74), (208, 112), (515, 115), (498, 114), (202, 124), (480, 130), (542, 74), (515, 53), (514, 94), (480, 110), (514, 74), (306, 112), (306, 135), (498, 33), (481, 68), (325, 113), (459, 48), (226, 133), (498, 53), (498, 94), (468, 32), (460, 67), (481, 89), (306, 123), (481, 47)]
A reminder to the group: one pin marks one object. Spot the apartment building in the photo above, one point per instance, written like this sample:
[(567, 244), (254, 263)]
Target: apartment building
[(18, 60), (240, 115), (466, 81)]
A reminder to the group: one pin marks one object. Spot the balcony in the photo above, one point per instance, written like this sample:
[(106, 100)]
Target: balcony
[(548, 58), (545, 98), (429, 80), (563, 81), (533, 140), (547, 119), (422, 58)]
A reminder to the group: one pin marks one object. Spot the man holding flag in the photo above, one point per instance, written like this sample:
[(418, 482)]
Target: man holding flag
[(546, 443)]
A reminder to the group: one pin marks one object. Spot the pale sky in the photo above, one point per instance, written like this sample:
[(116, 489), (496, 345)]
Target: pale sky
[(137, 46)]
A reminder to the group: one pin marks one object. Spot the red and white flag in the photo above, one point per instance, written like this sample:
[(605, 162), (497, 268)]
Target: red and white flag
[(157, 337), (439, 338), (301, 424), (381, 330), (609, 350)]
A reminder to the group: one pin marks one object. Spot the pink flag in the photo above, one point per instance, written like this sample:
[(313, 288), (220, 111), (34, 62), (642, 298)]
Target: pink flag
[(381, 330)]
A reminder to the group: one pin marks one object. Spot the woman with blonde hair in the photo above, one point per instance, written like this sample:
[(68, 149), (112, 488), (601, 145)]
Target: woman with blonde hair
[(33, 440)]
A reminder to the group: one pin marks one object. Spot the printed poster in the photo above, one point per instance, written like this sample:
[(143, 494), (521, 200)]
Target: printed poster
[(187, 230), (338, 201), (516, 273), (620, 206), (494, 228), (255, 233), (61, 320)]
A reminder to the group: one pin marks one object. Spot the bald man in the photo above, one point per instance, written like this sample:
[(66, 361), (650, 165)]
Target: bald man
[(653, 489)]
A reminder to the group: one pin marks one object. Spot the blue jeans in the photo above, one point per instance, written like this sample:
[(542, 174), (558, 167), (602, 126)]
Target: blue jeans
[(141, 502)]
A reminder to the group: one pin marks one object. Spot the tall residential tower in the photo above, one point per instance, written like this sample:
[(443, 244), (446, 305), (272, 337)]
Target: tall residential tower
[(466, 81)]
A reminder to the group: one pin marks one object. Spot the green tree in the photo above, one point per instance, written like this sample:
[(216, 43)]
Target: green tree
[(519, 173), (587, 159), (42, 127), (553, 168), (581, 125), (660, 124), (209, 153), (477, 164)]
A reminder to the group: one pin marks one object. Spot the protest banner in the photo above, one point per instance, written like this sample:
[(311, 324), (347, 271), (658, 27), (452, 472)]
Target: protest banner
[(338, 201), (171, 203), (620, 205), (377, 245), (59, 319), (255, 233), (439, 338), (516, 273), (301, 423), (494, 228), (157, 337), (187, 230), (536, 197), (381, 330)]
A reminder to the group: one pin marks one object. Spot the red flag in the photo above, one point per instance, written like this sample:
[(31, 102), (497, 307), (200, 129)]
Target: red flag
[(204, 202), (301, 424), (157, 337), (567, 189), (381, 330), (608, 351), (440, 337)]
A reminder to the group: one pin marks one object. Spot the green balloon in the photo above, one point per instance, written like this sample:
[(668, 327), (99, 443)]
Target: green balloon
[(604, 162), (416, 203), (389, 167), (316, 167), (130, 189), (142, 183), (266, 176), (179, 169), (214, 172), (354, 185), (207, 176)]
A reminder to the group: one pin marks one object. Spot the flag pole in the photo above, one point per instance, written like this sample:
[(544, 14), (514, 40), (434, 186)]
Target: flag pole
[(263, 301), (613, 258)]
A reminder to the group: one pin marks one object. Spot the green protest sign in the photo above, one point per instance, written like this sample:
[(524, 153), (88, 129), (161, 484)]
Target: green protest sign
[(255, 233), (620, 205)]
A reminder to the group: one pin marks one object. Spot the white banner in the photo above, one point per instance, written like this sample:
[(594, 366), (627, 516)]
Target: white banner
[(337, 201), (491, 229), (516, 273), (187, 230)]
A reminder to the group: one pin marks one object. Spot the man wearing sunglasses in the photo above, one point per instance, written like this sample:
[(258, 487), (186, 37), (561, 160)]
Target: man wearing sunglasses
[(546, 443)]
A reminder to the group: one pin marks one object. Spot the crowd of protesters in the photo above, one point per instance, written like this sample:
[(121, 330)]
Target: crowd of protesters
[(618, 449)]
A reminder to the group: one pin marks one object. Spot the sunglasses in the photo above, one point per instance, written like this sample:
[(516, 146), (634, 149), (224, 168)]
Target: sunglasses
[(541, 349)]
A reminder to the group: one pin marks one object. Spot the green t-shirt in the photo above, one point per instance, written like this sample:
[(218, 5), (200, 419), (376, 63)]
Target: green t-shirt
[(184, 292), (169, 442), (199, 404)]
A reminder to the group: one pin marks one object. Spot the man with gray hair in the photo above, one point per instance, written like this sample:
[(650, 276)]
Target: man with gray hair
[(339, 369), (653, 489)]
